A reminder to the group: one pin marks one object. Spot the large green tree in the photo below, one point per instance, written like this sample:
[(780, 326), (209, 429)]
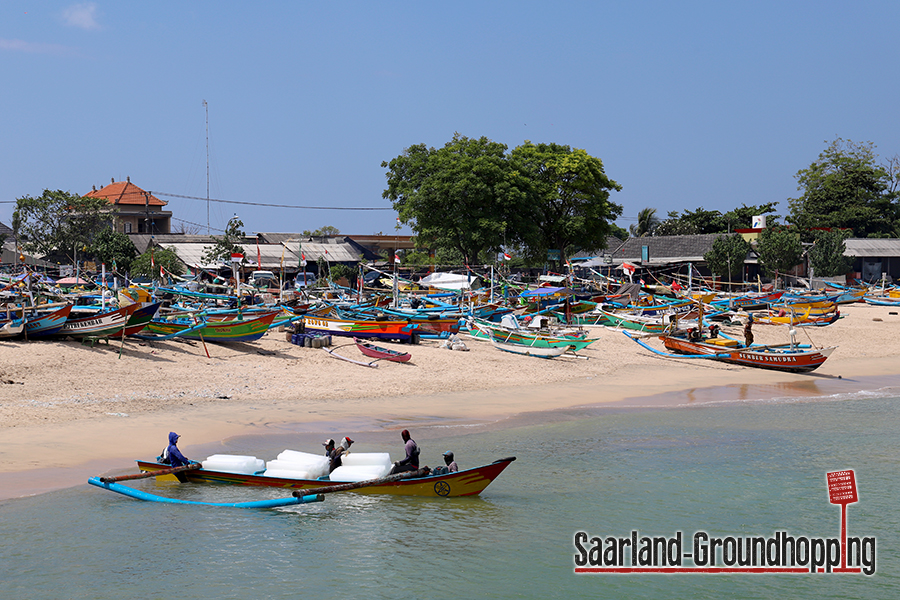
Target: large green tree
[(465, 196), (826, 255), (845, 187), (727, 255), (647, 222), (779, 249), (227, 244), (148, 263), (570, 194), (58, 222), (113, 248)]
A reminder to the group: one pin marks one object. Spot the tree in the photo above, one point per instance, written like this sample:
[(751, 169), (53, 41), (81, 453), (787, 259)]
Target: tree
[(570, 202), (111, 247), (226, 245), (779, 249), (161, 257), (742, 218), (59, 222), (845, 187), (647, 221), (465, 196), (325, 230), (673, 225), (727, 255), (826, 255)]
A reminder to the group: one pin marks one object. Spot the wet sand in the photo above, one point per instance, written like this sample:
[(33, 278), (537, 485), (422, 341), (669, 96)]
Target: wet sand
[(69, 411)]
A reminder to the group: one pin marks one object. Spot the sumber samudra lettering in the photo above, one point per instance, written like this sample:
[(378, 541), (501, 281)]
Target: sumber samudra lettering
[(781, 552)]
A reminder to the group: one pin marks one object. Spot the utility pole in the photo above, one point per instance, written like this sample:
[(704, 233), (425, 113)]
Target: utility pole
[(206, 106)]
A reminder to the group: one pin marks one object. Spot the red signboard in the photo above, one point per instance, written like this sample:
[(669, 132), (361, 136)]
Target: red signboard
[(841, 487)]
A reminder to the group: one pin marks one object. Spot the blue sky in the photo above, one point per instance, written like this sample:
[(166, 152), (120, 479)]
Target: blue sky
[(688, 104)]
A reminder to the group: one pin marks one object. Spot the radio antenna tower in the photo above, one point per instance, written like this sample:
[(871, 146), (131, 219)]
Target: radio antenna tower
[(206, 106)]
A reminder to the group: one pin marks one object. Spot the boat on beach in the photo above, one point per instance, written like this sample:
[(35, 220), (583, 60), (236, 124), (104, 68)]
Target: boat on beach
[(228, 330), (99, 324), (469, 482), (381, 353)]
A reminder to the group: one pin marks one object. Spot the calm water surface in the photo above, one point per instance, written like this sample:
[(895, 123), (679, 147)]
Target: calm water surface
[(747, 468)]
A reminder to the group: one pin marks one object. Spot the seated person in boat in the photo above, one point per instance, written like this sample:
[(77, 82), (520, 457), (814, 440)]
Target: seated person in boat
[(411, 462), (451, 467), (172, 455)]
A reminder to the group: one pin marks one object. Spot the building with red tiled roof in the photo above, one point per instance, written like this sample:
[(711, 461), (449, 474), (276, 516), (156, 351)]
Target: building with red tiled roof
[(137, 211)]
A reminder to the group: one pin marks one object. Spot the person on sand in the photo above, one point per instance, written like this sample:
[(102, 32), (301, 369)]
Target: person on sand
[(748, 331), (411, 462), (172, 455)]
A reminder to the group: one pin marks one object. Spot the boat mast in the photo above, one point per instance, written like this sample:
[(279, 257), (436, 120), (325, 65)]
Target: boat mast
[(206, 106)]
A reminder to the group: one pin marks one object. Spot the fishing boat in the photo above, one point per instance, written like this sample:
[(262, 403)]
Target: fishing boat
[(551, 352), (226, 330), (10, 328), (45, 323), (381, 353), (487, 330), (401, 331), (469, 482), (791, 357), (97, 324), (141, 316)]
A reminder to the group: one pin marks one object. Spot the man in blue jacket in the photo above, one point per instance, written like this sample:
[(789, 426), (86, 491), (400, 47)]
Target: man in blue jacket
[(172, 455)]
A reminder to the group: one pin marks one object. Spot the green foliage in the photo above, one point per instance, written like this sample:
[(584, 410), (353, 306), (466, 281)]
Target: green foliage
[(569, 206), (742, 218), (340, 270), (165, 257), (58, 222), (673, 225), (227, 244), (779, 249), (727, 255), (712, 221), (826, 255), (647, 222), (845, 187), (113, 247), (322, 231), (618, 232), (465, 196)]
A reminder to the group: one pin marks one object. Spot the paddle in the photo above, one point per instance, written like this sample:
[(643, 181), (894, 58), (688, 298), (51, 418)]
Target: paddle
[(147, 474), (358, 484)]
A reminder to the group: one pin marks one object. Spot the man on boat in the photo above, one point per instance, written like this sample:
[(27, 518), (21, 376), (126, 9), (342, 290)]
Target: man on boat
[(452, 467), (334, 454), (172, 455), (411, 462), (748, 331)]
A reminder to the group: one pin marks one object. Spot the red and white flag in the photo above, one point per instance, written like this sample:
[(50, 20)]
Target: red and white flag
[(162, 272), (506, 257), (258, 255), (628, 268), (396, 259)]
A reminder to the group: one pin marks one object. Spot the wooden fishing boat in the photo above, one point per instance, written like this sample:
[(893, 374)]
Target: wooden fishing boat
[(546, 352), (230, 330), (43, 323), (469, 482), (98, 324), (381, 353), (486, 330), (141, 316), (401, 331), (10, 328), (748, 301), (780, 357), (797, 319)]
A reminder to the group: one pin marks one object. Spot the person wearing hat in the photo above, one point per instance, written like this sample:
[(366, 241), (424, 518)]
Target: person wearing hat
[(452, 467), (334, 454), (172, 455), (411, 462)]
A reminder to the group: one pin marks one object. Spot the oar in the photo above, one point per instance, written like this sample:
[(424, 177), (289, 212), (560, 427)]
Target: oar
[(343, 487), (147, 474)]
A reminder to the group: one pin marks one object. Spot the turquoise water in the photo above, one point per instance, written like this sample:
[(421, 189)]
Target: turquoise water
[(747, 468)]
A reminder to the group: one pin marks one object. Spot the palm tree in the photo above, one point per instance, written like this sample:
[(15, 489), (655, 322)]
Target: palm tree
[(646, 223)]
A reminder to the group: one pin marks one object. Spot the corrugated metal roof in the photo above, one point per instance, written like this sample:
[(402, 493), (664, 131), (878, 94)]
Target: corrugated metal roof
[(872, 247), (271, 255)]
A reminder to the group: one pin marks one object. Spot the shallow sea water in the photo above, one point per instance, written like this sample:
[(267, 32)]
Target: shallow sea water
[(743, 469)]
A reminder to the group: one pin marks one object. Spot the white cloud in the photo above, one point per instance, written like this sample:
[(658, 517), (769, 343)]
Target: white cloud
[(83, 16), (32, 47)]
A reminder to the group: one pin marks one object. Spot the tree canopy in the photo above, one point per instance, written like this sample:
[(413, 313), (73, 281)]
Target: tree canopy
[(727, 255), (226, 245), (113, 248), (472, 197), (149, 262), (779, 249), (845, 187), (826, 255), (58, 222), (647, 222)]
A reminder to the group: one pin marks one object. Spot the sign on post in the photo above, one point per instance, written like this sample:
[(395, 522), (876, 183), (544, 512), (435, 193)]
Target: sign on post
[(842, 490)]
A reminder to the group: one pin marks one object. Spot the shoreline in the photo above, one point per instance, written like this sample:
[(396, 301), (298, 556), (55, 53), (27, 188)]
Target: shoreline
[(78, 423)]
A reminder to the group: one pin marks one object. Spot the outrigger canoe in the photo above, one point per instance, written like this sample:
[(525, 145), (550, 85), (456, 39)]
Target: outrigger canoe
[(780, 357), (231, 330), (381, 353), (469, 482), (100, 324)]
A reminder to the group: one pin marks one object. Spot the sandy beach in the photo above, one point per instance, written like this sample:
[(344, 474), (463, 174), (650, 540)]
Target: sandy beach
[(70, 410)]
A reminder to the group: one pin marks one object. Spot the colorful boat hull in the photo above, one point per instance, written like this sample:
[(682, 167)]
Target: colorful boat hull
[(470, 482), (47, 324), (779, 358), (232, 330), (373, 351), (382, 330), (102, 324), (141, 317)]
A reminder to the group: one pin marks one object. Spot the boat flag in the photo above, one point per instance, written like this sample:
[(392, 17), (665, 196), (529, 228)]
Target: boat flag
[(162, 272), (258, 255), (507, 257), (152, 262), (628, 268), (396, 259)]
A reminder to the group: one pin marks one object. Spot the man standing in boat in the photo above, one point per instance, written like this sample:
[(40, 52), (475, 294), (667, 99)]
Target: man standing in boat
[(334, 454), (411, 462)]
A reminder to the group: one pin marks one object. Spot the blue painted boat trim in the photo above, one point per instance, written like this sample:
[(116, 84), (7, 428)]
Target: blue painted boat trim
[(148, 497)]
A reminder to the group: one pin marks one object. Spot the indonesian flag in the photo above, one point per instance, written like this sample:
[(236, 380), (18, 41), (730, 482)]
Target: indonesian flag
[(152, 262), (162, 272), (396, 259), (302, 259), (628, 268), (506, 257), (258, 255)]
